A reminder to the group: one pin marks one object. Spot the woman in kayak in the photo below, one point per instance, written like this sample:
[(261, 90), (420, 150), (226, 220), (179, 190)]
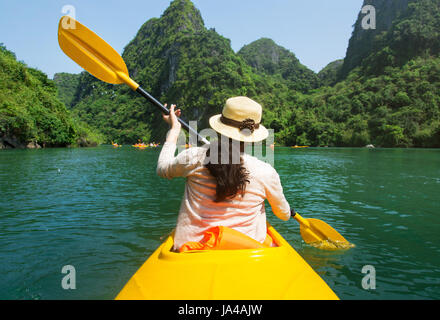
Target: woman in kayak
[(227, 194)]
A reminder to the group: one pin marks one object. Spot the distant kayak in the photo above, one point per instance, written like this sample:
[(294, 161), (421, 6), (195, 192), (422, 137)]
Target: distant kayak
[(143, 145), (298, 147), (140, 145)]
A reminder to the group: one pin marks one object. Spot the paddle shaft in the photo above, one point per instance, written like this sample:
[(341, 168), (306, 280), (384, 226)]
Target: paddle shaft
[(162, 108), (298, 218)]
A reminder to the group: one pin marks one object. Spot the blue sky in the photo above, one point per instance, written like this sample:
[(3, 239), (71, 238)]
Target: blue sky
[(317, 31)]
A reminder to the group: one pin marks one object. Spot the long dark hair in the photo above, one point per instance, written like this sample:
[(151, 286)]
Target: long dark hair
[(231, 176)]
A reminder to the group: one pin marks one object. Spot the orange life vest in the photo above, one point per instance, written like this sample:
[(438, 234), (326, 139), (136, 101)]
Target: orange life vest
[(224, 238)]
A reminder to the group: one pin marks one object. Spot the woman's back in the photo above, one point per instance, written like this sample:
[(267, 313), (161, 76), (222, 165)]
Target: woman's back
[(199, 209)]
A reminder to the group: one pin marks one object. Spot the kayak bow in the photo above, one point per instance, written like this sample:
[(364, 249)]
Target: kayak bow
[(275, 273)]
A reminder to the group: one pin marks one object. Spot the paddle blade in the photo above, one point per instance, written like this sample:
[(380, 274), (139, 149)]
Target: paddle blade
[(91, 52), (325, 231), (320, 235)]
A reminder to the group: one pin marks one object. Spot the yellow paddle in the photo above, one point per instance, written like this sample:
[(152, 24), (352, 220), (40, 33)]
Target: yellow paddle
[(319, 234), (96, 56)]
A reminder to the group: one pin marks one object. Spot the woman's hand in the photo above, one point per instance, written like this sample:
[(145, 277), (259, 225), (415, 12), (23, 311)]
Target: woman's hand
[(171, 119), (174, 123)]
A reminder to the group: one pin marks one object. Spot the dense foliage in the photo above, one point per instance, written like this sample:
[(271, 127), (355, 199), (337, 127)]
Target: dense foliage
[(388, 95), (177, 60), (30, 110), (405, 29), (266, 57), (67, 84), (400, 108), (329, 75)]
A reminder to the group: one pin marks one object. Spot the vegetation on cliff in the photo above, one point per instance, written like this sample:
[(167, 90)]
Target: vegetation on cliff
[(329, 75), (385, 91), (30, 112), (405, 29), (400, 108), (177, 60), (266, 57), (67, 84)]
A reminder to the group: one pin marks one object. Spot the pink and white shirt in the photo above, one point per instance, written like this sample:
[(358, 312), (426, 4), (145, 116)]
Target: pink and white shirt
[(198, 210)]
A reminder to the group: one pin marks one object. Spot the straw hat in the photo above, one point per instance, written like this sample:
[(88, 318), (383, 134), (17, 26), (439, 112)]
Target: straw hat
[(240, 120)]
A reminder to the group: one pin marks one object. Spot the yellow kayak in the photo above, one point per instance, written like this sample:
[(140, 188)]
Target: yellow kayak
[(276, 273), (140, 146)]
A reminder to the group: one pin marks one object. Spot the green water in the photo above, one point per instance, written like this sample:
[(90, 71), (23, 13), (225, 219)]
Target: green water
[(104, 211)]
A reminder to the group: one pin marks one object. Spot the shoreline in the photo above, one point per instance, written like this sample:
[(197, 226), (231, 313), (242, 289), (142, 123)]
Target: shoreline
[(38, 147)]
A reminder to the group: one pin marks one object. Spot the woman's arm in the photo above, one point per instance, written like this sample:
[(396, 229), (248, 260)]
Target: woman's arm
[(275, 196), (169, 166)]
